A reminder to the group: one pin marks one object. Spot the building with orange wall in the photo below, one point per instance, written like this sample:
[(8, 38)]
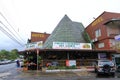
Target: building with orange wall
[(35, 36), (101, 35)]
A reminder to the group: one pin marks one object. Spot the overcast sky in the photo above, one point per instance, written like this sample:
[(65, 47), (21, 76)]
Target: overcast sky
[(43, 15)]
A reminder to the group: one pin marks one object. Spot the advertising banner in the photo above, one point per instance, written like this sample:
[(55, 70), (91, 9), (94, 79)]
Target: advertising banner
[(70, 62), (102, 56), (117, 37), (71, 45), (34, 45)]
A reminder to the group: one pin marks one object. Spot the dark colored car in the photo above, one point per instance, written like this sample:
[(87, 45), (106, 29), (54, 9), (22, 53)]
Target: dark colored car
[(105, 67)]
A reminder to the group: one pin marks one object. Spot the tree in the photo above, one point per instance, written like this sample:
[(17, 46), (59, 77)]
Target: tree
[(14, 54), (87, 38), (4, 54), (11, 55)]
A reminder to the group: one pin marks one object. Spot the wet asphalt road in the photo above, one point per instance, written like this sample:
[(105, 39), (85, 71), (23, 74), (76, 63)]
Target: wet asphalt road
[(10, 72)]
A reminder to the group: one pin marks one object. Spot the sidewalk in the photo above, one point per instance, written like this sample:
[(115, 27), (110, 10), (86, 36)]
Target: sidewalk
[(60, 73), (71, 74)]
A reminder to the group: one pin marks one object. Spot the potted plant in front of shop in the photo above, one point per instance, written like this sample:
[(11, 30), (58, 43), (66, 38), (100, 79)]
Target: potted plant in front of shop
[(39, 60), (25, 65)]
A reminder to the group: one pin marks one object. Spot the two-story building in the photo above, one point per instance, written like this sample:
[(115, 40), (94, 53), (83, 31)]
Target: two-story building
[(102, 35)]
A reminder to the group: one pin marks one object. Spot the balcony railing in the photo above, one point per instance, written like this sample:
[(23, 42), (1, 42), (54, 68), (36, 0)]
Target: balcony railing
[(112, 35)]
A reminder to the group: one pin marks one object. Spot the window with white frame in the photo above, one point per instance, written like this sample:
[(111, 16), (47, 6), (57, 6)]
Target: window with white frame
[(101, 45), (98, 33)]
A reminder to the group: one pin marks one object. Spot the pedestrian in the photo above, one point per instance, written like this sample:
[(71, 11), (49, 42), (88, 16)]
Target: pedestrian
[(18, 63)]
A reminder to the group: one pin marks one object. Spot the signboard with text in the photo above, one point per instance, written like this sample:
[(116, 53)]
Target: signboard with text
[(102, 56), (117, 37), (71, 45), (34, 45), (70, 62)]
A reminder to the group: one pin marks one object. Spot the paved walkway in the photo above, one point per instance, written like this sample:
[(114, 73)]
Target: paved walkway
[(19, 74)]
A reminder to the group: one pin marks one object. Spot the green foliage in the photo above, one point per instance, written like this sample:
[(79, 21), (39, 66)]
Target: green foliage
[(39, 59), (86, 37), (11, 55), (4, 54)]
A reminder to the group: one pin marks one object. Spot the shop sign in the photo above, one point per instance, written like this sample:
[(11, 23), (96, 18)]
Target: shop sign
[(100, 19), (34, 45), (37, 35), (70, 62), (102, 56), (71, 45), (117, 37)]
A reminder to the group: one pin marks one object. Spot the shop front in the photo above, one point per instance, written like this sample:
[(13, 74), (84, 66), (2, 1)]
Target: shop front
[(38, 58), (62, 54)]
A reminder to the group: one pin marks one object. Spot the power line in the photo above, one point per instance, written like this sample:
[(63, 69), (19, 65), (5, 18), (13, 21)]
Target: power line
[(11, 27), (8, 29), (10, 36)]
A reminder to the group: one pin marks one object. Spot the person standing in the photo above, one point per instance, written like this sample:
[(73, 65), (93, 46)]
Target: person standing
[(18, 63)]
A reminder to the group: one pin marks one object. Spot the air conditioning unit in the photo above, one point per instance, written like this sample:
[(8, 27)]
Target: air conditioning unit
[(95, 39)]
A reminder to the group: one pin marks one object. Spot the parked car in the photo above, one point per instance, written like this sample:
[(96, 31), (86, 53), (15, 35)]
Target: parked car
[(104, 67), (1, 62), (5, 61)]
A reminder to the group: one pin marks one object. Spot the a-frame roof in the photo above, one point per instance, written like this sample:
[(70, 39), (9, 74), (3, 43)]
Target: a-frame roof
[(66, 31)]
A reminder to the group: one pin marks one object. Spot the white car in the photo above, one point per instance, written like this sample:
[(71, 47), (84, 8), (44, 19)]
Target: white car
[(105, 67), (5, 61)]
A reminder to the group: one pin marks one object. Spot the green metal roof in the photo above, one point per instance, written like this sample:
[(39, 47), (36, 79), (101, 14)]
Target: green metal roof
[(66, 31)]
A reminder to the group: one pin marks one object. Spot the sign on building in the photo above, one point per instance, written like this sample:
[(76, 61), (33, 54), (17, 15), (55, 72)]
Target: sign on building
[(34, 45), (102, 56), (71, 45), (70, 62), (117, 37)]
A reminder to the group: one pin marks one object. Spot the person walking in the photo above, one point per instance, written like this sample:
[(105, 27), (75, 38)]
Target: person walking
[(18, 63)]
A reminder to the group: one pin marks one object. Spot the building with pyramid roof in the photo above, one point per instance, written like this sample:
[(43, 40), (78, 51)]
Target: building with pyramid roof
[(70, 32), (66, 31)]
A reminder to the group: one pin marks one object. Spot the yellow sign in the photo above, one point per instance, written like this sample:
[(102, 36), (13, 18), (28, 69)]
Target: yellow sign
[(37, 35), (97, 21)]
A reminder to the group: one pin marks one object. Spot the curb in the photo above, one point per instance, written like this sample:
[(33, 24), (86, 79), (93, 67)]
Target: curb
[(69, 70)]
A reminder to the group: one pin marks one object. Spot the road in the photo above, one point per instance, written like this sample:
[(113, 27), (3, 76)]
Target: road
[(7, 67), (10, 72)]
